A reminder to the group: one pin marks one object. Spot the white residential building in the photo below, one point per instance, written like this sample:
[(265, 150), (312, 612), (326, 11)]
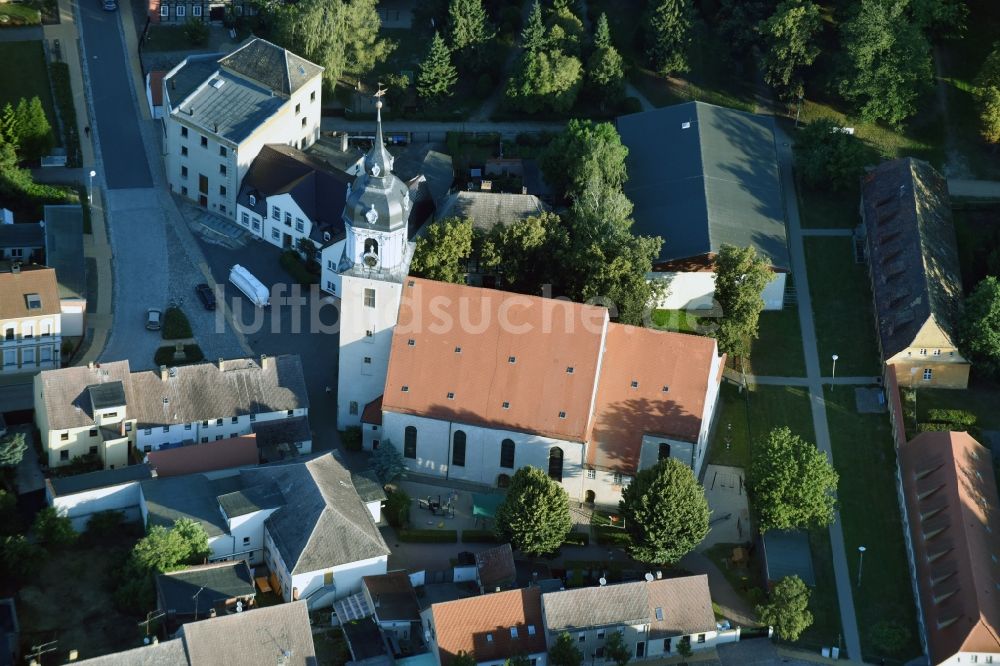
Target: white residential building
[(288, 196), (654, 616), (219, 111), (104, 409), (483, 382), (30, 319)]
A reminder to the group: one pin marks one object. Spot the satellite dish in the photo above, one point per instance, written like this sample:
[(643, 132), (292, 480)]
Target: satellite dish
[(603, 581), (239, 606), (649, 578)]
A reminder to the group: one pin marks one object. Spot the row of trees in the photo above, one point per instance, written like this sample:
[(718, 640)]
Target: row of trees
[(26, 127)]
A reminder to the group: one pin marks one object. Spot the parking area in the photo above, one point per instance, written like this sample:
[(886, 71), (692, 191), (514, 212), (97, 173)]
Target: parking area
[(725, 490)]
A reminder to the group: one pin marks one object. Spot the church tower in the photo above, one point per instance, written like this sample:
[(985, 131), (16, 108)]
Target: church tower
[(371, 270)]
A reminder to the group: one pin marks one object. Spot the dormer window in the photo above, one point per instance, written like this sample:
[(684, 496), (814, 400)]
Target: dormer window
[(34, 301), (253, 200), (635, 384)]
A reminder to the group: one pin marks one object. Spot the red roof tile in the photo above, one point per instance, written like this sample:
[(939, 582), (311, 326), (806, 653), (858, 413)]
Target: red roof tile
[(223, 454), (156, 86), (482, 625)]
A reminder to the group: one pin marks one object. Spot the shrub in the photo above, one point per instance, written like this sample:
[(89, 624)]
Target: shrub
[(53, 530), (484, 86), (351, 438), (957, 416), (480, 536), (890, 636), (974, 431), (487, 139), (165, 355), (104, 524), (196, 32), (292, 263), (176, 325), (577, 539), (397, 509), (428, 536), (631, 105)]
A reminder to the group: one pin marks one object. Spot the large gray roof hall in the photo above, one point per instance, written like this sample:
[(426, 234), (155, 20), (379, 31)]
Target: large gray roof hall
[(702, 176)]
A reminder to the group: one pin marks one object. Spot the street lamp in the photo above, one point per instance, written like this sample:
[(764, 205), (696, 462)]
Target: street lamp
[(833, 374), (90, 195), (861, 562)]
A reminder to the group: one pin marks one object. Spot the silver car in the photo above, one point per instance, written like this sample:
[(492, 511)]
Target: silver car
[(154, 319)]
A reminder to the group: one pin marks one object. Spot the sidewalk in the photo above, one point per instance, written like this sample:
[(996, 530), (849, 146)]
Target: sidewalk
[(95, 244)]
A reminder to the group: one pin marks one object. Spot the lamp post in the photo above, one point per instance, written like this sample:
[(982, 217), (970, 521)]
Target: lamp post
[(833, 374), (861, 562), (90, 194)]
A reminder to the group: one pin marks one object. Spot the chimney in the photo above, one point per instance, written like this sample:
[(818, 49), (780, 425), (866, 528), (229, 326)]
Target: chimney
[(90, 366), (222, 362), (15, 268), (265, 362), (163, 373)]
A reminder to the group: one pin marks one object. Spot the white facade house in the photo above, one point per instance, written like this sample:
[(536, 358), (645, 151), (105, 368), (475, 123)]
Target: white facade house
[(302, 524), (105, 410), (695, 290), (288, 196), (654, 616), (82, 496), (540, 382), (492, 628), (219, 111), (30, 319)]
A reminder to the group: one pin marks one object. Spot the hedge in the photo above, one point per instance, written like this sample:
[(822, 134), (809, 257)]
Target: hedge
[(397, 509), (480, 536), (957, 416), (974, 431), (59, 72), (165, 355), (428, 536), (577, 539), (612, 536), (292, 263)]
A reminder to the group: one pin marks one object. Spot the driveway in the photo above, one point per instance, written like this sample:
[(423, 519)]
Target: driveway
[(112, 99)]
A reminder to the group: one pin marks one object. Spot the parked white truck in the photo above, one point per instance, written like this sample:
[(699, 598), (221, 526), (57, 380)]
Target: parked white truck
[(251, 287)]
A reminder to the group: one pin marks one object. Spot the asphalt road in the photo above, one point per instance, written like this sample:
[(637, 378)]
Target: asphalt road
[(125, 164), (14, 397)]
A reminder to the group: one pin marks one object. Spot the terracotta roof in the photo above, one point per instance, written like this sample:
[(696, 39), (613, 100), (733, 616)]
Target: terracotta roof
[(373, 412), (15, 288), (483, 625), (951, 501), (156, 86), (652, 360), (496, 568), (224, 454), (461, 353)]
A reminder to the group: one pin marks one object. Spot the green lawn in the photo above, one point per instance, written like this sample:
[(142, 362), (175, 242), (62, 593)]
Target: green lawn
[(682, 321), (166, 38), (769, 407), (19, 14), (828, 210), (823, 602), (864, 456), (778, 349), (842, 307), (24, 74)]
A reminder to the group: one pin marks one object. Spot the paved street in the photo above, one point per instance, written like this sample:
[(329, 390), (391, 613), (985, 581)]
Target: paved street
[(15, 397), (112, 99)]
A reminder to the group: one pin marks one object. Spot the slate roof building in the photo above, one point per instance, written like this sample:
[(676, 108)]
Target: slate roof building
[(702, 176), (915, 273), (541, 382), (495, 569), (304, 520), (104, 409), (204, 591), (24, 241), (491, 628), (30, 319), (278, 634), (64, 253), (288, 195), (220, 110), (395, 609), (654, 616), (949, 502)]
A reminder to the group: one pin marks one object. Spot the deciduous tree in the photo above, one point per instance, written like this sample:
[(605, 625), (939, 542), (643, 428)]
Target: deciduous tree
[(979, 328), (19, 558), (616, 649), (789, 37), (440, 254), (668, 35), (564, 652), (794, 484), (12, 448), (940, 18), (534, 515), (788, 608), (53, 530), (740, 278), (438, 76), (665, 512), (167, 549), (583, 152), (888, 61), (826, 157), (989, 114)]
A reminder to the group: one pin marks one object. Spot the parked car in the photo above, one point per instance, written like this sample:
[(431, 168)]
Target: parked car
[(154, 319), (206, 295)]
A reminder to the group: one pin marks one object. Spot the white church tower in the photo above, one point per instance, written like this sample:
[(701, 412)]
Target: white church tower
[(369, 274)]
